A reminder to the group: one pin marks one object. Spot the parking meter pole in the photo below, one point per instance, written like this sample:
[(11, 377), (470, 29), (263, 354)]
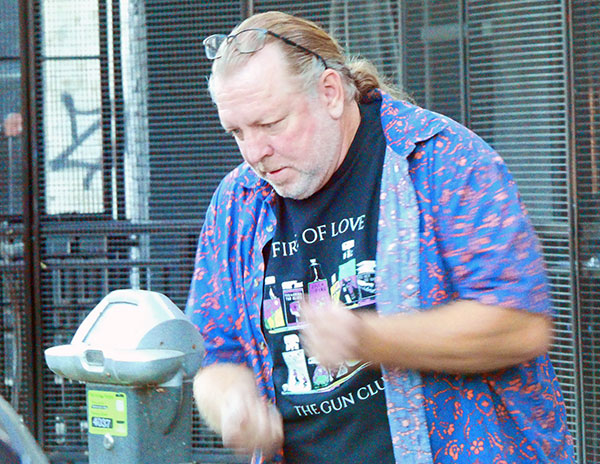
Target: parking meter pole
[(139, 426)]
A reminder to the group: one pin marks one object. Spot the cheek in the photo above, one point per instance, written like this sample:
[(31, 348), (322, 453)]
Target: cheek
[(299, 138), (286, 144)]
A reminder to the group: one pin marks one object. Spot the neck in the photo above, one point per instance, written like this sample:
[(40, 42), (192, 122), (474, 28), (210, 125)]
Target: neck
[(350, 123)]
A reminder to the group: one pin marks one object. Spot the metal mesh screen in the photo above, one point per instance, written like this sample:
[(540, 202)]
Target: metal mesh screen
[(586, 69), (72, 186), (517, 68), (15, 381), (189, 151), (366, 28), (130, 153), (14, 326), (433, 43)]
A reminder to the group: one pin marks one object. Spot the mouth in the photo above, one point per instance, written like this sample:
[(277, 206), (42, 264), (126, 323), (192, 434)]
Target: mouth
[(274, 173)]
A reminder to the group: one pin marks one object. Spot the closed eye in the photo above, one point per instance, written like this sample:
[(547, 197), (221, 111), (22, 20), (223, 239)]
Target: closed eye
[(235, 133), (271, 125)]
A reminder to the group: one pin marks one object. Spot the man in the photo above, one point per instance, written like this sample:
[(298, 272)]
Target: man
[(367, 283)]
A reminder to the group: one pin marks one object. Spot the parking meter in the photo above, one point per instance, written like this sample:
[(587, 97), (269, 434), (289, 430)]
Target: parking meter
[(137, 354)]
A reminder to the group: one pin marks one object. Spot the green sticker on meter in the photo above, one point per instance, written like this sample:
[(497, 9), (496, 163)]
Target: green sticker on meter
[(107, 412)]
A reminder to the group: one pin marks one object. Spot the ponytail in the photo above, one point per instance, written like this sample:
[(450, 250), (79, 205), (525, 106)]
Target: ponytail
[(366, 79)]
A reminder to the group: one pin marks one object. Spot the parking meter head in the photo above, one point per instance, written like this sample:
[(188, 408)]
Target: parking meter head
[(132, 337)]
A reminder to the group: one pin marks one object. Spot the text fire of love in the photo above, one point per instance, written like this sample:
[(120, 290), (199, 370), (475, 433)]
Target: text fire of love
[(318, 234)]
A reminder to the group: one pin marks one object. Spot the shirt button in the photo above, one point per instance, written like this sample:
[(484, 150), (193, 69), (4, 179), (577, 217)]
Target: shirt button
[(270, 228), (262, 346), (257, 282)]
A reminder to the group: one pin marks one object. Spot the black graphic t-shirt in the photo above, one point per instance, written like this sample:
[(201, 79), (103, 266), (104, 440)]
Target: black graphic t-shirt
[(325, 248)]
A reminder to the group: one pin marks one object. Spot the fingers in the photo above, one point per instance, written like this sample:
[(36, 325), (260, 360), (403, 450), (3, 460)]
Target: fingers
[(331, 334), (229, 403), (251, 425), (234, 416), (273, 431)]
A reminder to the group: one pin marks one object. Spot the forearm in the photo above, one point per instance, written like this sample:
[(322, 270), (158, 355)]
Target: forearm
[(462, 337)]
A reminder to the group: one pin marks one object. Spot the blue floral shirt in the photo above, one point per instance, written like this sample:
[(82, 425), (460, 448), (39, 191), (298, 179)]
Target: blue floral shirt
[(451, 227)]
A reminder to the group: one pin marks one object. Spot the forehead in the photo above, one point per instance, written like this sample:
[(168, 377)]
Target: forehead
[(264, 76)]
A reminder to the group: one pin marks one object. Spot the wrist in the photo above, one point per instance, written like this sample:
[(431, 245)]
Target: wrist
[(364, 335)]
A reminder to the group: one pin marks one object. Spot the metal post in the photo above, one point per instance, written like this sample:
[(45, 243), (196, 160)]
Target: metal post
[(32, 352)]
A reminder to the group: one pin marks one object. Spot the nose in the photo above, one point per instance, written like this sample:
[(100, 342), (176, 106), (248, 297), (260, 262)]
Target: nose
[(255, 147)]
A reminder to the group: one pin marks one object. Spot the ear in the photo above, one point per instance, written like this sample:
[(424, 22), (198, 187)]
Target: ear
[(331, 90)]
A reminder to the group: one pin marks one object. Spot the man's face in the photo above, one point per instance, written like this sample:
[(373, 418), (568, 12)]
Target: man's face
[(289, 138)]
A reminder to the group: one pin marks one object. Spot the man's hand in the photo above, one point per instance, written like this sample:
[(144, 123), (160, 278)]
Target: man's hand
[(229, 403), (331, 333), (249, 424)]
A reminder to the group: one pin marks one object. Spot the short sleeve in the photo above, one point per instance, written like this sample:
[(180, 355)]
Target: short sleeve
[(210, 296), (486, 240)]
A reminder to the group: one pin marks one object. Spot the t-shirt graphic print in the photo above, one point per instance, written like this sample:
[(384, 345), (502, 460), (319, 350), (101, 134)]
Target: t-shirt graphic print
[(324, 250)]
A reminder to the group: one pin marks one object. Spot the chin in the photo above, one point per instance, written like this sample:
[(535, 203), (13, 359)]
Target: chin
[(299, 190), (293, 194)]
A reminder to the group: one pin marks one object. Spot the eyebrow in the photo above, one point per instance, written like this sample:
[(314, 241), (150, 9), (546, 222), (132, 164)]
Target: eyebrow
[(256, 122)]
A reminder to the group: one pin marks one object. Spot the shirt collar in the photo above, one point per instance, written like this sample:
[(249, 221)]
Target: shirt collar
[(405, 124)]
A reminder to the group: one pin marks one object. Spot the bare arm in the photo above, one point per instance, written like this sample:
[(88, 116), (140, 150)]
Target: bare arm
[(461, 337), (229, 403)]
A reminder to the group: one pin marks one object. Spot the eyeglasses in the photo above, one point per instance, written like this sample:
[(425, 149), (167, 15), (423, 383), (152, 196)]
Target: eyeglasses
[(249, 41)]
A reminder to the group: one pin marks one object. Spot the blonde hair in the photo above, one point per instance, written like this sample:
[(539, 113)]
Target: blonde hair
[(359, 76)]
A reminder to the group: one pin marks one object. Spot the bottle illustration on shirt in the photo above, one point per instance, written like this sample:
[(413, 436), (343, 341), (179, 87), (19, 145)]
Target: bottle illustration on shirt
[(293, 292), (348, 282), (298, 380), (366, 281), (321, 377), (272, 310), (318, 290)]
